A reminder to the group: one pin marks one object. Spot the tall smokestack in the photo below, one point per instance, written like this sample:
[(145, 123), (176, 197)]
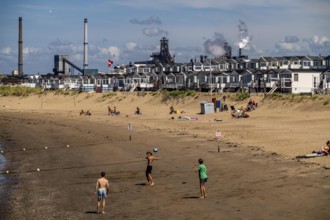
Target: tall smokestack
[(240, 52), (20, 48), (85, 44)]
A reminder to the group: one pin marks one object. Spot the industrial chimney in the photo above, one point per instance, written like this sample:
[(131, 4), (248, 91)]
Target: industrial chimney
[(20, 48), (85, 44)]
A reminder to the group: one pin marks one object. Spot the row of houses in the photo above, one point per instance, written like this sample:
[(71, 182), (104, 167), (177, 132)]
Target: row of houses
[(225, 64), (295, 81)]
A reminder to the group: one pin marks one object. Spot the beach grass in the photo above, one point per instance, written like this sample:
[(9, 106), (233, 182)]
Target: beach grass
[(176, 95), (20, 91), (240, 96)]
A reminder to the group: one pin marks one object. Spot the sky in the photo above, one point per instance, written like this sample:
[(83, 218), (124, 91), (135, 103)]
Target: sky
[(130, 30)]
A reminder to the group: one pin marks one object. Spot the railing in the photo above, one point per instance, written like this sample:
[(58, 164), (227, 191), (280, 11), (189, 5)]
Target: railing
[(133, 87), (273, 89)]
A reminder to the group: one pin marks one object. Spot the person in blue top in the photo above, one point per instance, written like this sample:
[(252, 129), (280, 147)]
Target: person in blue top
[(202, 173)]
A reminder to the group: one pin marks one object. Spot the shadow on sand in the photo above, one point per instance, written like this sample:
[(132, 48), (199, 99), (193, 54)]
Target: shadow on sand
[(91, 212), (140, 184), (190, 197)]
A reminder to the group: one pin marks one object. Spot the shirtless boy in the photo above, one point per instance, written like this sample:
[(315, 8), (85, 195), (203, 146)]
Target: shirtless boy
[(102, 190), (150, 159)]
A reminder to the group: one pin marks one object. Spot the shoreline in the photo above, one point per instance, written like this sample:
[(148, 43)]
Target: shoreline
[(5, 179)]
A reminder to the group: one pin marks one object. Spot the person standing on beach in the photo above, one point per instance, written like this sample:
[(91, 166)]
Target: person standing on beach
[(150, 159), (202, 174), (102, 190)]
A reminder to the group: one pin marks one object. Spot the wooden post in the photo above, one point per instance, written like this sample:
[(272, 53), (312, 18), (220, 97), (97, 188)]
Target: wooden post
[(129, 131), (218, 136)]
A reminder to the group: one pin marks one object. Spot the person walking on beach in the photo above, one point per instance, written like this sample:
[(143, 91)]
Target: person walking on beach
[(202, 174), (102, 190), (150, 159)]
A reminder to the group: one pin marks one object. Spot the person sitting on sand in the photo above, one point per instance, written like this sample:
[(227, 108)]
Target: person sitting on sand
[(172, 110), (109, 111), (239, 114), (138, 112), (115, 112), (88, 113), (82, 112), (324, 150), (102, 190)]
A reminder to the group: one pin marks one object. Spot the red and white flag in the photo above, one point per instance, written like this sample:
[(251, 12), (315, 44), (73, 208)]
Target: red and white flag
[(110, 62)]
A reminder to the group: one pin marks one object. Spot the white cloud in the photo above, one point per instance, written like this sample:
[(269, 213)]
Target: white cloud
[(154, 32), (112, 51), (6, 51), (32, 51), (320, 41), (131, 46), (287, 46), (318, 45)]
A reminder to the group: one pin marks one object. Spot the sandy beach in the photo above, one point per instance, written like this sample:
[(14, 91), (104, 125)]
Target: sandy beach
[(255, 175)]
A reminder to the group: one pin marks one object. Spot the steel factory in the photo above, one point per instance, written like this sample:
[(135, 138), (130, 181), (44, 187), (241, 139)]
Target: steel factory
[(226, 73)]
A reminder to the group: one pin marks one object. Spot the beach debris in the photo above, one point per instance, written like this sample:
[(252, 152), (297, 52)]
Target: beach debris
[(23, 149), (38, 169), (68, 146), (46, 148)]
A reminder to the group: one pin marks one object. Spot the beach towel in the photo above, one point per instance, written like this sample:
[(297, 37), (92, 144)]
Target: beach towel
[(186, 118), (312, 155)]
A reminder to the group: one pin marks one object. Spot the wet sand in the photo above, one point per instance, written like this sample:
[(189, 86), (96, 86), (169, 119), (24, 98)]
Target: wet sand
[(245, 181)]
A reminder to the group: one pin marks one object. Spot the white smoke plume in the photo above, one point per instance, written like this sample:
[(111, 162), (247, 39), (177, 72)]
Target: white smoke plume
[(243, 34), (215, 46)]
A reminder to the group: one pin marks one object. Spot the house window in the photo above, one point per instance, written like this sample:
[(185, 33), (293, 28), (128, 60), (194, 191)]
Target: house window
[(306, 63), (295, 77)]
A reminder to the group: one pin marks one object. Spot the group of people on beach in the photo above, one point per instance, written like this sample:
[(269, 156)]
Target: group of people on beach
[(82, 112), (103, 185), (113, 111), (241, 112), (110, 111)]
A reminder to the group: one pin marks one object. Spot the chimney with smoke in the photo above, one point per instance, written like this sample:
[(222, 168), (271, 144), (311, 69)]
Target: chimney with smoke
[(20, 47), (243, 36)]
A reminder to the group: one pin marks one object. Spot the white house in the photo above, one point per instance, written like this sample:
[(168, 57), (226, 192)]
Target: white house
[(305, 81)]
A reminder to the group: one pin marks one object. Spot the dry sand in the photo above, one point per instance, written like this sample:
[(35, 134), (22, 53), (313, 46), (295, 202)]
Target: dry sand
[(255, 176)]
